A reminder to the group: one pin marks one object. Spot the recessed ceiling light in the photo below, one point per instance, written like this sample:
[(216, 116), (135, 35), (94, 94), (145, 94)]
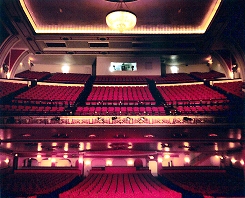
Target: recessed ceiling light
[(151, 157), (166, 145), (92, 136), (149, 136), (26, 135), (120, 136), (212, 135)]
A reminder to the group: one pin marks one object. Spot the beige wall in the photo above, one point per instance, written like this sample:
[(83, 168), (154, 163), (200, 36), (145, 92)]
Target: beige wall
[(145, 66)]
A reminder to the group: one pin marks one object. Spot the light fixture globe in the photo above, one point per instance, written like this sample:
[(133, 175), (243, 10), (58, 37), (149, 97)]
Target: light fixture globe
[(121, 20)]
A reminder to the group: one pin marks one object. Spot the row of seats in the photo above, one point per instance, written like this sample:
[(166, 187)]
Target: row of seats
[(32, 75), (120, 185), (168, 78), (120, 110), (124, 95), (120, 80), (203, 110), (69, 78), (56, 77), (67, 94), (172, 78), (234, 88), (7, 88), (112, 100), (24, 184), (208, 75), (102, 79), (198, 93), (9, 110), (206, 182)]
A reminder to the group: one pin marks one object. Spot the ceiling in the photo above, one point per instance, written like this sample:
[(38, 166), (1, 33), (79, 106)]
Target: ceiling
[(132, 141), (153, 16), (164, 27)]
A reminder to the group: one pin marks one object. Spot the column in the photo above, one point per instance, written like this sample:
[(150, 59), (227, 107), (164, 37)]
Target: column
[(15, 162), (159, 162), (243, 158), (163, 68), (81, 164)]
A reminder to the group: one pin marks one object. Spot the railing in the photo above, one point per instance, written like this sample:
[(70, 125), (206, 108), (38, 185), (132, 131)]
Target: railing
[(113, 120)]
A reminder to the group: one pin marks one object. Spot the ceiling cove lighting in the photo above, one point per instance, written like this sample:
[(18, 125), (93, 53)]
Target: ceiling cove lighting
[(44, 28), (121, 19)]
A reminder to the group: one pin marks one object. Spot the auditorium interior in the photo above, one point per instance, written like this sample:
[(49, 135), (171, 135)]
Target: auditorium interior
[(92, 109)]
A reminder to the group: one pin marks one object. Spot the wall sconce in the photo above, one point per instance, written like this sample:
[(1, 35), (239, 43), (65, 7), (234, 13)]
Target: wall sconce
[(130, 162), (39, 155), (187, 160), (87, 162), (80, 160), (233, 160), (166, 156), (242, 162), (234, 68), (151, 157), (5, 68), (159, 159), (8, 75), (108, 163), (6, 160)]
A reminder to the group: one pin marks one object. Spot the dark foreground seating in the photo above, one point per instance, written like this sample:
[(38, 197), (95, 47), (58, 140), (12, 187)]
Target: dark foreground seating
[(210, 182), (36, 182)]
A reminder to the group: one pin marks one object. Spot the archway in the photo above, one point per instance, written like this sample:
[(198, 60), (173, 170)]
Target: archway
[(138, 163)]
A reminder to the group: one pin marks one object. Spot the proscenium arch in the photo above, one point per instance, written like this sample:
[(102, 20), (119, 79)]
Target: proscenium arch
[(237, 53), (5, 50), (17, 63), (6, 47), (240, 60), (222, 63)]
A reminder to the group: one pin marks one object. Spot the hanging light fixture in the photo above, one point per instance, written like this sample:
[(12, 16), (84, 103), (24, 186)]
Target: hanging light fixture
[(121, 19)]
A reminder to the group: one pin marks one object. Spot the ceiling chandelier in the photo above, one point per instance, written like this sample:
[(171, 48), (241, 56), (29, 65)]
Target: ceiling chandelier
[(121, 19)]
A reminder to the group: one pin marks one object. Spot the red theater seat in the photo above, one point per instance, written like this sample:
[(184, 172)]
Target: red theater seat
[(120, 185)]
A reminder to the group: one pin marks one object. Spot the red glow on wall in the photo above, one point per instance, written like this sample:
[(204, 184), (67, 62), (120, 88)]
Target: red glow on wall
[(14, 55)]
